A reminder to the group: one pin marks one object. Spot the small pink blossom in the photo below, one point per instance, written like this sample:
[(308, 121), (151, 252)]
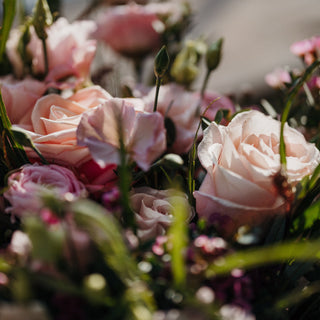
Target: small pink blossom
[(130, 30), (26, 186), (307, 49), (143, 133), (278, 78)]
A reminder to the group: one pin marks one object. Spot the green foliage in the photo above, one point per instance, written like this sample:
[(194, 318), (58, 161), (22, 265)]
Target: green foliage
[(9, 10), (178, 242)]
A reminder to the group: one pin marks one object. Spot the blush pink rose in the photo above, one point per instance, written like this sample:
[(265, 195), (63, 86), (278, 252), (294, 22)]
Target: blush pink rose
[(130, 29), (143, 133), (241, 161), (154, 210), (70, 51), (19, 97), (184, 108), (26, 186), (54, 122)]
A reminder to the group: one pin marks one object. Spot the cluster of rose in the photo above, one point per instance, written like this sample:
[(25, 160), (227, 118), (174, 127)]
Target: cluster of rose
[(156, 201)]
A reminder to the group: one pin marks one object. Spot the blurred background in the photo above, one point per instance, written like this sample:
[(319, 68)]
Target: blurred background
[(257, 36)]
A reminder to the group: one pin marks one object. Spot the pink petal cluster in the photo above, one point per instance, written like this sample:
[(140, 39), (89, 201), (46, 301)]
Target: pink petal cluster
[(143, 133), (131, 30), (184, 108), (153, 210), (307, 49), (26, 186), (19, 97), (278, 78), (70, 51), (54, 122), (241, 161)]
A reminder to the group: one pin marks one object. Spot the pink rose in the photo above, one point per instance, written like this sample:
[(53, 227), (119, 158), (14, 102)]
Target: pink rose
[(241, 161), (183, 108), (70, 51), (130, 30), (26, 186), (153, 210), (19, 98), (54, 122), (143, 133)]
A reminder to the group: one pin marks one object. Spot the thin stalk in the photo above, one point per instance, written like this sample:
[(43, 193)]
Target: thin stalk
[(205, 83), (45, 57), (158, 84)]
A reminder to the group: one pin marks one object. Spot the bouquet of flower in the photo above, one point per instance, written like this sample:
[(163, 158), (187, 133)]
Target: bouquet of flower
[(126, 193)]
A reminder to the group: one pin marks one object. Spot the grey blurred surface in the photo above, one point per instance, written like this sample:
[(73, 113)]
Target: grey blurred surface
[(257, 34)]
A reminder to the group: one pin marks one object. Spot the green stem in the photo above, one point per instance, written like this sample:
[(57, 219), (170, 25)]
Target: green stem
[(287, 108), (158, 84), (45, 56), (205, 83), (124, 185)]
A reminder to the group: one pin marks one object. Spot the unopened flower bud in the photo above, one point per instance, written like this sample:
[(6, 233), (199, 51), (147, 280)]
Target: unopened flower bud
[(161, 62), (42, 18), (214, 54), (185, 66)]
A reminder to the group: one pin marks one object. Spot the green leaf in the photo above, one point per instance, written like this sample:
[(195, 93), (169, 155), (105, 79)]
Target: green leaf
[(306, 220), (9, 10), (25, 140), (47, 245), (178, 242), (106, 233), (256, 257)]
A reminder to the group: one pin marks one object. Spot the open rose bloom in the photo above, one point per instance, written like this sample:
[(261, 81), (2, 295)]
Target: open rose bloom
[(143, 133), (241, 161), (31, 182), (54, 121), (154, 210)]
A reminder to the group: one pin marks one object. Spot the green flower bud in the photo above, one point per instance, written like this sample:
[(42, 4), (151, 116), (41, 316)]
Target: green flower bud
[(185, 67), (161, 62), (42, 18), (213, 56)]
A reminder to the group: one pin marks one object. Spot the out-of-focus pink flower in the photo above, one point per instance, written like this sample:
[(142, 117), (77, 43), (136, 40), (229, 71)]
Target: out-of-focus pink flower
[(154, 210), (308, 49), (130, 30), (241, 161), (70, 51), (26, 186), (143, 133), (54, 122), (20, 97), (184, 108), (278, 78), (212, 102)]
